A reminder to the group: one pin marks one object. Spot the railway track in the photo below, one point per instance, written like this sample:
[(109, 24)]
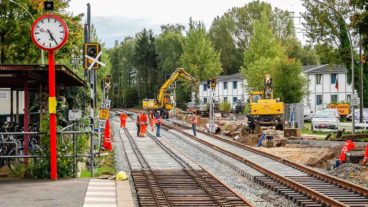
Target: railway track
[(178, 187), (307, 188)]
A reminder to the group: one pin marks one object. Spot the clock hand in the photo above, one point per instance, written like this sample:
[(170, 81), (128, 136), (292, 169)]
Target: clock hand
[(52, 37)]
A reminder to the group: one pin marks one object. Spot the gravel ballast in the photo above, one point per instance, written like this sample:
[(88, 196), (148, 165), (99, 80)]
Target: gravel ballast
[(121, 161), (234, 178)]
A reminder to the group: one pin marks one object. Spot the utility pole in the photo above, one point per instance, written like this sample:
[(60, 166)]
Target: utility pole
[(361, 78), (211, 86), (90, 75)]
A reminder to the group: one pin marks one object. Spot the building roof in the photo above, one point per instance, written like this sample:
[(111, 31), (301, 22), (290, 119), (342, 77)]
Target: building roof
[(15, 75), (223, 78), (324, 69)]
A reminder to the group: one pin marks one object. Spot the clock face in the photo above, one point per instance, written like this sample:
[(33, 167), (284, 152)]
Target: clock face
[(49, 32)]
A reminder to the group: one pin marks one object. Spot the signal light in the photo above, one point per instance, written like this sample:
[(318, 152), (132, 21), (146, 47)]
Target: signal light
[(48, 6), (213, 83), (91, 50)]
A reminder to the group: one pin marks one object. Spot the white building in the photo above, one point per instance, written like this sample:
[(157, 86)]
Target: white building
[(326, 84), (229, 88)]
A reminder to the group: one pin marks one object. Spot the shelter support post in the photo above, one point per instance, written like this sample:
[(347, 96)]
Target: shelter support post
[(26, 121)]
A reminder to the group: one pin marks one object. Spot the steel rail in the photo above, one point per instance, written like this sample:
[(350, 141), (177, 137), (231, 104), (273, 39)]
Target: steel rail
[(148, 174), (314, 195), (328, 178), (215, 195), (201, 181)]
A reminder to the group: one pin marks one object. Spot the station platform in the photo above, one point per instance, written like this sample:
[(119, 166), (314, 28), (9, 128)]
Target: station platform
[(65, 192)]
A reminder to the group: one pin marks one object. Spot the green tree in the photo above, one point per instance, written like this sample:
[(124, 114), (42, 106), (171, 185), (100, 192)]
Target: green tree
[(199, 57), (124, 87), (231, 33), (169, 48), (16, 45), (263, 50), (326, 26), (146, 65), (306, 54), (289, 84), (221, 34), (266, 55), (360, 24)]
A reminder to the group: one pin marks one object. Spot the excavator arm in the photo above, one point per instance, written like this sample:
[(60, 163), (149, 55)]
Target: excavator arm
[(180, 72)]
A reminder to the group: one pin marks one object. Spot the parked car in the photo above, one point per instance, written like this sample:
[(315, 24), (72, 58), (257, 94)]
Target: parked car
[(349, 117), (325, 120), (357, 115), (308, 115), (335, 111)]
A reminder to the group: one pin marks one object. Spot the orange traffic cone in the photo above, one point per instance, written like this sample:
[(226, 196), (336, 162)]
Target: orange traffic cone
[(365, 160), (107, 141)]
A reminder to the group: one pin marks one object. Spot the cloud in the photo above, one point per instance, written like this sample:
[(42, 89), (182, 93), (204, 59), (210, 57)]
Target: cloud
[(111, 28)]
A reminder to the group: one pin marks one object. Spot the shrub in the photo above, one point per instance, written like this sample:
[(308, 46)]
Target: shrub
[(225, 106)]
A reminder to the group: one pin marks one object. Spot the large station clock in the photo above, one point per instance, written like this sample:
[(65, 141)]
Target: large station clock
[(49, 32)]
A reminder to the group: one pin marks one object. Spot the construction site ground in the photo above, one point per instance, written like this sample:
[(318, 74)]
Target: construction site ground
[(310, 149)]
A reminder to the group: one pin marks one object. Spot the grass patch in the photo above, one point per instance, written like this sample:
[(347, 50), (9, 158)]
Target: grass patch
[(99, 171), (105, 166), (308, 130)]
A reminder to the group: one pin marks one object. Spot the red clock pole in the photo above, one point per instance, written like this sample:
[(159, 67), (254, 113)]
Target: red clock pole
[(55, 29), (52, 111)]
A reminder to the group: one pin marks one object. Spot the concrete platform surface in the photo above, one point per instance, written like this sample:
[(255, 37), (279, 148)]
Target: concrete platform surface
[(43, 193), (124, 195)]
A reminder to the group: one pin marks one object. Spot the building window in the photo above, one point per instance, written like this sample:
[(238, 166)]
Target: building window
[(319, 99), (235, 99), (333, 98), (318, 79), (348, 98), (225, 99), (225, 85), (333, 78), (3, 95), (235, 84), (204, 100), (204, 87)]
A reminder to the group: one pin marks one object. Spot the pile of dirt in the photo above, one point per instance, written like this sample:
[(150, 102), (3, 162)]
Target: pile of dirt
[(251, 139), (314, 157), (352, 172), (323, 160)]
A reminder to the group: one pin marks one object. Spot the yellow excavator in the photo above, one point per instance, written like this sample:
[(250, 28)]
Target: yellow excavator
[(264, 109), (163, 101)]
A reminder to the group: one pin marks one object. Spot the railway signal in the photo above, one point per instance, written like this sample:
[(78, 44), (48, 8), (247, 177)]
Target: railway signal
[(92, 56)]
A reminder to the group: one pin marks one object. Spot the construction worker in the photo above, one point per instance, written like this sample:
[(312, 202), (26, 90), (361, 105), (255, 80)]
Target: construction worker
[(143, 124), (158, 122), (193, 121), (123, 117), (137, 123), (151, 120)]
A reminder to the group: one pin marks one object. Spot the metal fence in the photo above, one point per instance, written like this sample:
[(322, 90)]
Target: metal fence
[(294, 115), (70, 136)]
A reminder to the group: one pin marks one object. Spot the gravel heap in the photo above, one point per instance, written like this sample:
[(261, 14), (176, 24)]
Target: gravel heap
[(352, 172), (253, 192)]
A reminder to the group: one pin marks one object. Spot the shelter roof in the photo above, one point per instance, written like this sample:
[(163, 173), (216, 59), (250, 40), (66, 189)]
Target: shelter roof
[(16, 75)]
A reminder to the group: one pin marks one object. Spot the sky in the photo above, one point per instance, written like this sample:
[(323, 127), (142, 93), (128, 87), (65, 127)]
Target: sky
[(116, 19)]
